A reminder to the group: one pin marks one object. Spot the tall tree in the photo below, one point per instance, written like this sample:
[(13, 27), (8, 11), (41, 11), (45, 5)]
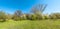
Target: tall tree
[(9, 16), (17, 15), (2, 16), (38, 8)]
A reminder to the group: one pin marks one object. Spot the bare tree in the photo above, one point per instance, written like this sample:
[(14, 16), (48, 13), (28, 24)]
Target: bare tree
[(18, 13), (38, 8)]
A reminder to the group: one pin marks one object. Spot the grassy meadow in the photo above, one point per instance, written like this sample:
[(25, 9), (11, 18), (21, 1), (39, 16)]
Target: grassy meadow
[(29, 14), (28, 24), (35, 19)]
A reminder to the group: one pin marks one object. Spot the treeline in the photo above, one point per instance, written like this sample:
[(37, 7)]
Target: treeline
[(36, 14)]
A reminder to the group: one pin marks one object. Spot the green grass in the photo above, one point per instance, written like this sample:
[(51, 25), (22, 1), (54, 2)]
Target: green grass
[(27, 24)]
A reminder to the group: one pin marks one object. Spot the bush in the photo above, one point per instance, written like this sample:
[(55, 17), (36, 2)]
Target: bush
[(46, 17)]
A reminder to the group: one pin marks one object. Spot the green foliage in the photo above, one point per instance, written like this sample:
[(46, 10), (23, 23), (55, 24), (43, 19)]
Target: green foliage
[(15, 18), (46, 17), (57, 15), (52, 16), (2, 16), (37, 11), (17, 15), (9, 16), (37, 14), (33, 17)]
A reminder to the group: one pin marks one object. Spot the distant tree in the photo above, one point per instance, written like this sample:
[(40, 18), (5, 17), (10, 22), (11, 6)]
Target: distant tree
[(17, 15), (9, 16), (38, 10), (2, 16), (52, 16), (27, 16), (46, 16), (55, 15), (31, 16)]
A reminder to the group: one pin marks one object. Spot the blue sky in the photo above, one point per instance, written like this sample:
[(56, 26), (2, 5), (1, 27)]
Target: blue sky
[(10, 6)]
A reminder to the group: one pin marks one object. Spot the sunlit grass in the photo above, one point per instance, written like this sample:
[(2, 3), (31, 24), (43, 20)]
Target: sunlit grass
[(27, 24)]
